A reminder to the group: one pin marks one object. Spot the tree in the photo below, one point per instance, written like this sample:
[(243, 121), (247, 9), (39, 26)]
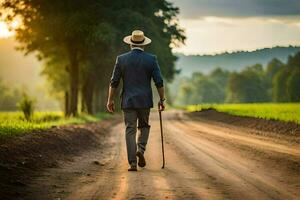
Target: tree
[(235, 93), (185, 94), (158, 19), (279, 91), (248, 86), (85, 36), (202, 88), (293, 80), (286, 81), (208, 91), (220, 77), (55, 71), (293, 86), (54, 28), (273, 67)]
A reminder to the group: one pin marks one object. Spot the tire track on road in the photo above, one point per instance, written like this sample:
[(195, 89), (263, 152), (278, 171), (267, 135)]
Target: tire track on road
[(231, 170)]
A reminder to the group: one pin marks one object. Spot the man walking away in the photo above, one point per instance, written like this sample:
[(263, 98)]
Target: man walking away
[(136, 68)]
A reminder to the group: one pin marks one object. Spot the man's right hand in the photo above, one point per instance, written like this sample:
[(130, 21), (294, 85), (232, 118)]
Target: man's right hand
[(110, 106), (161, 105)]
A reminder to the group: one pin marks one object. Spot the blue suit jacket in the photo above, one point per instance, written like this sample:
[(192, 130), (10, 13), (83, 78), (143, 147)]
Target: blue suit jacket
[(136, 68)]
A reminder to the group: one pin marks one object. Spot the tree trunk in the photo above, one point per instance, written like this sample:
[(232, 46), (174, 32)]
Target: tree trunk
[(100, 103), (88, 93), (67, 111), (103, 98), (96, 101), (101, 89), (83, 104), (89, 100), (74, 82)]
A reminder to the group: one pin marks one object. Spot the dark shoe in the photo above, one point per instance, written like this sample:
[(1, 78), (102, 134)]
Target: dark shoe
[(132, 169), (141, 162)]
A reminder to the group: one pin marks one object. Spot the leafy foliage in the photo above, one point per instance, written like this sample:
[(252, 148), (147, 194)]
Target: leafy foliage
[(293, 85), (278, 82), (248, 86), (202, 88), (26, 105), (286, 82)]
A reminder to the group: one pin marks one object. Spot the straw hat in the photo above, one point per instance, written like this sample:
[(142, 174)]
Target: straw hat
[(137, 38)]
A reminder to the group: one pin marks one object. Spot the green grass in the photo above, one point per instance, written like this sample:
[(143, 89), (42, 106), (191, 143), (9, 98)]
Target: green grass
[(13, 123), (289, 112)]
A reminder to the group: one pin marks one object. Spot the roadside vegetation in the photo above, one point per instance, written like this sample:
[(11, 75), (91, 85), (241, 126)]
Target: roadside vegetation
[(288, 112), (275, 82), (14, 123)]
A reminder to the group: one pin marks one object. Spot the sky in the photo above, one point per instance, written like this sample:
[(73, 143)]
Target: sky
[(216, 26)]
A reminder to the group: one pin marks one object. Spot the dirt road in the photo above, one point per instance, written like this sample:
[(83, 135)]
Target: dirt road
[(203, 161)]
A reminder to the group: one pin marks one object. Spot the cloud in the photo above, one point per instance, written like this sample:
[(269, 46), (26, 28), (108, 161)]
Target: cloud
[(210, 35), (237, 8)]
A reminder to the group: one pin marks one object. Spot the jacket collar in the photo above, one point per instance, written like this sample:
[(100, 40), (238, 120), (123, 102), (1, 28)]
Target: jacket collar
[(137, 48)]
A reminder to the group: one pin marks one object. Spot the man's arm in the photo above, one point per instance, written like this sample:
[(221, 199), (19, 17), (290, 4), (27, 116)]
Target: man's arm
[(158, 80), (110, 101), (161, 93), (114, 82)]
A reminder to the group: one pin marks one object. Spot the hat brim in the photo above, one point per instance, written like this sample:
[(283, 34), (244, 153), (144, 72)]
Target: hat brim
[(127, 40)]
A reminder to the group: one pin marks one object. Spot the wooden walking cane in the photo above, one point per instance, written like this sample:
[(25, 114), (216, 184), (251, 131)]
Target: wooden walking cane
[(162, 137)]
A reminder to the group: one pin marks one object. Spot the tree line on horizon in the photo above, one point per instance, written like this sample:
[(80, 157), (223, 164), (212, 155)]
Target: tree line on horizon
[(78, 41), (277, 82)]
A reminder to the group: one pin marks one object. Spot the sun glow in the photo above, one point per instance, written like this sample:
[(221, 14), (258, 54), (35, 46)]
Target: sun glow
[(8, 30), (4, 30)]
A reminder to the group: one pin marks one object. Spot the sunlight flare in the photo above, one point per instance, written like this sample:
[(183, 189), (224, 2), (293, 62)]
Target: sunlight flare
[(8, 30), (4, 30)]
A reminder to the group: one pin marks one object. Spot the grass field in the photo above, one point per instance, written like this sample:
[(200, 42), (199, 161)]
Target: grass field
[(289, 112), (13, 123)]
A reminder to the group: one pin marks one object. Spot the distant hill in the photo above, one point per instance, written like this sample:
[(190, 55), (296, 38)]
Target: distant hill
[(231, 61)]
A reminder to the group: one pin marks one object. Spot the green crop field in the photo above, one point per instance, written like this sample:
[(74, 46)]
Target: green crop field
[(289, 112), (12, 123)]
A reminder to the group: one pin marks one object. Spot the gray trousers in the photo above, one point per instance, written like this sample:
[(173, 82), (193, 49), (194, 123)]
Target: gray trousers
[(136, 119)]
